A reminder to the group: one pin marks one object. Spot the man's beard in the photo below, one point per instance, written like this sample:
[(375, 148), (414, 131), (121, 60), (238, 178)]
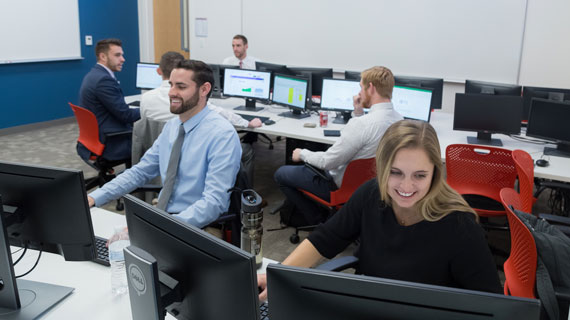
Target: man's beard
[(186, 104), (365, 102)]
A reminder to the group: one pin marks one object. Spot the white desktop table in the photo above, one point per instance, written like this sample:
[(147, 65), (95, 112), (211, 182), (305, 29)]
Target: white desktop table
[(92, 298)]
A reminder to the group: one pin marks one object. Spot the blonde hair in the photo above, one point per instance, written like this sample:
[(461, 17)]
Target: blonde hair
[(441, 199), (381, 78)]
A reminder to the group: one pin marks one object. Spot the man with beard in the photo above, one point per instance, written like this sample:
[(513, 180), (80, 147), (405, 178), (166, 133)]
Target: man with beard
[(209, 154), (359, 140), (101, 94)]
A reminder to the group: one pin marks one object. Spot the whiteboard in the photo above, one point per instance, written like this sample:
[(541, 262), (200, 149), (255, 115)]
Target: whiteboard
[(39, 30)]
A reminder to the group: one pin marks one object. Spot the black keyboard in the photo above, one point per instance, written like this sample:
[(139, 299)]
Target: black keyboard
[(135, 103), (250, 117), (264, 311), (102, 251)]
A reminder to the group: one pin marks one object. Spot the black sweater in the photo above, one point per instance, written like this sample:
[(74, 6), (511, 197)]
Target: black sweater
[(450, 252)]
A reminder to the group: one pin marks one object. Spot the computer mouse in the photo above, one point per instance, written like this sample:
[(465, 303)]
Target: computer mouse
[(268, 122), (542, 163)]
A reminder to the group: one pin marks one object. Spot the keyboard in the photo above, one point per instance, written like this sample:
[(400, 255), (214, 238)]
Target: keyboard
[(135, 103), (102, 251), (250, 117), (264, 311)]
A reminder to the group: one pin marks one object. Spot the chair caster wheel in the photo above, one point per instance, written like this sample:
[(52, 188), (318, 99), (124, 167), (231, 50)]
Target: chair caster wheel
[(294, 238), (120, 206)]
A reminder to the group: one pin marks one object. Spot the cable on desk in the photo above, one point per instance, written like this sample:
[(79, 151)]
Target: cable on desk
[(32, 269), (21, 256), (529, 140)]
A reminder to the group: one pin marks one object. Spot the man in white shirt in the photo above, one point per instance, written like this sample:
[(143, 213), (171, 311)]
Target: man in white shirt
[(240, 57), (358, 140), (155, 105)]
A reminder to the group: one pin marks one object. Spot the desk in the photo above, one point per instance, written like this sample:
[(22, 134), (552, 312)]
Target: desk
[(559, 168), (92, 297)]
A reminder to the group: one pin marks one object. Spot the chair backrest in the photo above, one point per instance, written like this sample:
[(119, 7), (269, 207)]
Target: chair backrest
[(357, 172), (88, 129), (525, 170), (479, 170), (520, 267)]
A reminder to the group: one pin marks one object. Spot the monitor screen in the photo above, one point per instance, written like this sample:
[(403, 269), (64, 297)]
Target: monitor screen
[(549, 120), (338, 93), (553, 94), (147, 77), (412, 103), (216, 279), (472, 86), (299, 293), (290, 91), (352, 75), (435, 84), (246, 83), (487, 114), (317, 76)]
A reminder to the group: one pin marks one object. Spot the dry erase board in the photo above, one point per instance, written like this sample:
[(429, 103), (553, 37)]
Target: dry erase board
[(39, 30)]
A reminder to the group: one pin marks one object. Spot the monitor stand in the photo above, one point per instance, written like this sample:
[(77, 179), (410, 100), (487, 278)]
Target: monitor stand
[(23, 299), (561, 150), (484, 139), (294, 114), (249, 106), (342, 117)]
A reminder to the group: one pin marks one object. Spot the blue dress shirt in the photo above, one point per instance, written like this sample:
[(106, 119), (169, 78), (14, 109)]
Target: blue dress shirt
[(209, 162)]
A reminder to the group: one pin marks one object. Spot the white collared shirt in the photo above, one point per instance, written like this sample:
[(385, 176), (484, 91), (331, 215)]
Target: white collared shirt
[(247, 63), (108, 70)]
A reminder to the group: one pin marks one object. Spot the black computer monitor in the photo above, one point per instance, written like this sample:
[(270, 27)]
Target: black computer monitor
[(291, 91), (543, 93), (436, 84), (317, 76), (299, 293), (274, 68), (147, 77), (549, 120), (337, 96), (249, 84), (217, 91), (44, 209), (213, 279), (487, 114), (412, 102), (352, 75), (503, 89)]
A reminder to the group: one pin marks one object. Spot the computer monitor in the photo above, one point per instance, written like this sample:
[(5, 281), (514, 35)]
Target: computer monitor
[(217, 88), (249, 84), (337, 96), (549, 120), (274, 68), (487, 114), (472, 86), (352, 75), (553, 94), (436, 84), (291, 92), (317, 76), (212, 278), (412, 102), (147, 77), (299, 293), (44, 209)]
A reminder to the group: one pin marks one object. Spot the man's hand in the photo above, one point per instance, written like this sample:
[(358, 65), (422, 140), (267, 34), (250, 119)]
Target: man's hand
[(91, 202), (254, 123), (357, 103), (296, 156), (262, 284)]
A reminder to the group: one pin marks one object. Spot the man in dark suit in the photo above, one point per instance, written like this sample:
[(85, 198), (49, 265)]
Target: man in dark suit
[(101, 94)]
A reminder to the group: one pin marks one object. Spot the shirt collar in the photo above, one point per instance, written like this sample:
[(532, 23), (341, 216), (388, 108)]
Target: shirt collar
[(381, 106), (108, 70), (191, 123)]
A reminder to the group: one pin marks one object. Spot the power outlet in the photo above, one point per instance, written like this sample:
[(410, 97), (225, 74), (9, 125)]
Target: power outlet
[(88, 40)]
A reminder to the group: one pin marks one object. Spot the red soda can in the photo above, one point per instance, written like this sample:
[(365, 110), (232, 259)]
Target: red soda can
[(324, 119)]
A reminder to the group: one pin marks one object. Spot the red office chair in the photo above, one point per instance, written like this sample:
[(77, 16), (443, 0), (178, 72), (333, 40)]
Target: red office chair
[(357, 172), (525, 170), (479, 173), (520, 267), (89, 138)]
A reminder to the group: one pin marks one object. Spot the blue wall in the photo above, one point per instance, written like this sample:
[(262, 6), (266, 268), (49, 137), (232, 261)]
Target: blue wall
[(36, 92)]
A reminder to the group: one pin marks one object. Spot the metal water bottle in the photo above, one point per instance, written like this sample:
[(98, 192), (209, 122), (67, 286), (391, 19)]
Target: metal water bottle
[(251, 228)]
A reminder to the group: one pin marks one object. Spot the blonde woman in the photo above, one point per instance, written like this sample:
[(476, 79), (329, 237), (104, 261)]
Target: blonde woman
[(412, 226)]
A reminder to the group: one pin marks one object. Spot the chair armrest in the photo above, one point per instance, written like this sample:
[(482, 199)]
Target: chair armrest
[(339, 264), (319, 172), (224, 217)]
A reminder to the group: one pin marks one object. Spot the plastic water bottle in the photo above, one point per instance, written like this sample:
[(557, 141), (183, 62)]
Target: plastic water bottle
[(117, 243)]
